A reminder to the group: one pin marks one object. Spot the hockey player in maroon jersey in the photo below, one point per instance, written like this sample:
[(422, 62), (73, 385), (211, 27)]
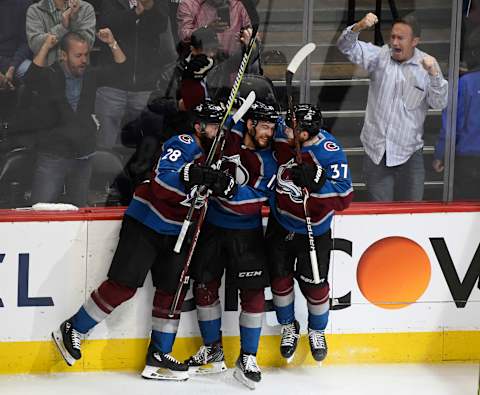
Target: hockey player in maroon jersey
[(149, 231), (324, 173), (232, 240)]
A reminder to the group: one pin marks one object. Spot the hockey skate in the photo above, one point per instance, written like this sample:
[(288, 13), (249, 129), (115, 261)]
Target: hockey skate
[(208, 359), (318, 344), (160, 366), (247, 371), (288, 344), (67, 340)]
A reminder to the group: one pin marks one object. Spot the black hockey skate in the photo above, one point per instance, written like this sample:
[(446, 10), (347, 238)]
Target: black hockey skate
[(67, 340), (207, 360), (247, 371), (318, 344), (288, 344), (160, 366)]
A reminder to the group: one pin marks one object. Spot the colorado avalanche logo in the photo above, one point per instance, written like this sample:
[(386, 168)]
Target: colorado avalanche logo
[(191, 197), (286, 186), (331, 146), (186, 138), (241, 174)]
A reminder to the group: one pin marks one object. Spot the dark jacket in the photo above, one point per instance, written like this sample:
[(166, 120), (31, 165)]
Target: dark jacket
[(13, 40), (64, 132), (138, 36)]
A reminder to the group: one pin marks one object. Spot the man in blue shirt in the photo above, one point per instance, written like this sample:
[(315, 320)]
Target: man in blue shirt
[(467, 142)]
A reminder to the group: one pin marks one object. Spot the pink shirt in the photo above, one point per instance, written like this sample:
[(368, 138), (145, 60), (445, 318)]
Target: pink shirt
[(192, 14)]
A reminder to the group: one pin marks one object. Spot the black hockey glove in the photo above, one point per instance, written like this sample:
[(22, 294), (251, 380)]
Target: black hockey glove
[(308, 176), (224, 185), (192, 174), (198, 67)]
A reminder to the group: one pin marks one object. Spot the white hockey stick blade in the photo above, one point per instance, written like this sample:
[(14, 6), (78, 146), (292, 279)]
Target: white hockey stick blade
[(244, 107), (300, 56), (313, 261), (181, 236)]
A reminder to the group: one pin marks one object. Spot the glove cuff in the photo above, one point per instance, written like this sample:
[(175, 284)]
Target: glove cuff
[(186, 172)]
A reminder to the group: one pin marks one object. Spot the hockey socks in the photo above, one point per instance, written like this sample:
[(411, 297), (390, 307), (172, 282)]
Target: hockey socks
[(251, 317), (283, 299), (101, 303), (209, 311)]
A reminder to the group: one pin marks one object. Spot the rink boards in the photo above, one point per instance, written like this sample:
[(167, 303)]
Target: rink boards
[(404, 288)]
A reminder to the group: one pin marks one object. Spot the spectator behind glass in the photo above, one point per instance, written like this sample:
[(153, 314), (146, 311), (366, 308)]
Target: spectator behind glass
[(58, 17), (66, 93), (467, 142), (14, 52), (137, 25), (404, 83), (226, 17)]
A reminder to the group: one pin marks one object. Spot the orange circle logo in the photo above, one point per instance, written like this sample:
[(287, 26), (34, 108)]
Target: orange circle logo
[(393, 272)]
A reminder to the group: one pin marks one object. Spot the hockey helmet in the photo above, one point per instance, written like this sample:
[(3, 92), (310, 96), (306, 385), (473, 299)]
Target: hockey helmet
[(209, 111), (260, 111), (309, 118)]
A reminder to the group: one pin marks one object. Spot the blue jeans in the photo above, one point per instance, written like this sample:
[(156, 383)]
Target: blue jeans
[(401, 183), (53, 174), (114, 108)]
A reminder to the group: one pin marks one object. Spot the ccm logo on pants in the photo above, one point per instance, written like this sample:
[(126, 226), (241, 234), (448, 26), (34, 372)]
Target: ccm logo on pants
[(256, 273)]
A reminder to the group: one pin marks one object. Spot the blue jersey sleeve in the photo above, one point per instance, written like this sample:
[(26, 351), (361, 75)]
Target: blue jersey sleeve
[(177, 152)]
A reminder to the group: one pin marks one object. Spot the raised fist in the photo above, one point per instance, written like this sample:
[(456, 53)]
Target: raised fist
[(50, 41), (106, 36), (367, 22), (429, 63)]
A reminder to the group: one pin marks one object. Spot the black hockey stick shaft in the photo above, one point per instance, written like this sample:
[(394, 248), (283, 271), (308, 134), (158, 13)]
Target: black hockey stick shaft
[(292, 67)]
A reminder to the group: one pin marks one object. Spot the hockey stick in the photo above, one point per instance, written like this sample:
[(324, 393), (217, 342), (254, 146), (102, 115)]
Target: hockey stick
[(217, 142), (184, 278), (297, 60)]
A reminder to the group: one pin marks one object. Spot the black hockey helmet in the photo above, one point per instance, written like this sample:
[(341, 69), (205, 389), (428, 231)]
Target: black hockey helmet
[(260, 111), (309, 118), (209, 111)]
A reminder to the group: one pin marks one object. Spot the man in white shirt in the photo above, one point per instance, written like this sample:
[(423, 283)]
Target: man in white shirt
[(404, 83)]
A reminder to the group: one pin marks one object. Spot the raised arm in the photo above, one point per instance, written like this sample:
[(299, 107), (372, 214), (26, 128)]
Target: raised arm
[(359, 52)]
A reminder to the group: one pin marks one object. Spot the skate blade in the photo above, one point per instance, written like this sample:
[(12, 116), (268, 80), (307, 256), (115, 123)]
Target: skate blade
[(240, 377), (58, 339), (209, 368), (152, 372)]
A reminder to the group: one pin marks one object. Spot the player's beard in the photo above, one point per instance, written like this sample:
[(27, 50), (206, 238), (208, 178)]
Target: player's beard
[(206, 143), (255, 141)]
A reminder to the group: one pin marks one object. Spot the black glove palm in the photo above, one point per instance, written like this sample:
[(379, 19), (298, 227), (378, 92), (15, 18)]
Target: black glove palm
[(220, 183), (198, 67), (308, 176)]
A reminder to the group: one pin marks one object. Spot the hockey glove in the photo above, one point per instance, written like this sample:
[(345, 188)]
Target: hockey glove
[(198, 67), (224, 185), (192, 174), (308, 176)]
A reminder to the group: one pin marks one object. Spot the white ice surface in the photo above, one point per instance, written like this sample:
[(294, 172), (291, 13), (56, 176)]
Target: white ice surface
[(392, 379)]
